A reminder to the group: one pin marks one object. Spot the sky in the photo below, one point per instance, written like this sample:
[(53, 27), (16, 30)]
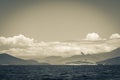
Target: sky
[(40, 28), (59, 20)]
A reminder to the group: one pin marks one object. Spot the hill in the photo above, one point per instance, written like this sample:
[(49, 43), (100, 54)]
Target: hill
[(112, 61), (93, 57), (6, 59)]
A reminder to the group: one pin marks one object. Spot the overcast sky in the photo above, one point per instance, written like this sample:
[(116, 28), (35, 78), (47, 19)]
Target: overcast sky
[(59, 20)]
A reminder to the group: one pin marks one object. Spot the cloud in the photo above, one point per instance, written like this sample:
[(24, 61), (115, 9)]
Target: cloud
[(19, 40), (93, 37), (115, 36), (22, 46)]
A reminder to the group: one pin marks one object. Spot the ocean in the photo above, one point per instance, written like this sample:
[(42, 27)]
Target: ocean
[(59, 72)]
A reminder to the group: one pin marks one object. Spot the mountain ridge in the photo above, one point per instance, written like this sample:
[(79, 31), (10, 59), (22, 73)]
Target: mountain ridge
[(58, 60), (6, 59), (112, 61)]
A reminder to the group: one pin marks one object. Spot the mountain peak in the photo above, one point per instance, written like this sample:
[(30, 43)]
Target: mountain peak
[(6, 59), (4, 54), (116, 50)]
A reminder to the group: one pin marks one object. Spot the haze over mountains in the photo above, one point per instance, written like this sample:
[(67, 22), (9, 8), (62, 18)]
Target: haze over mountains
[(89, 58), (29, 48), (108, 58), (96, 58), (92, 49), (112, 61), (6, 59)]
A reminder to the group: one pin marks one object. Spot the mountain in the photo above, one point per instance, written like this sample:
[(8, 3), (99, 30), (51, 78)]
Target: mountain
[(6, 59), (93, 57), (81, 63), (53, 59), (79, 59), (112, 61)]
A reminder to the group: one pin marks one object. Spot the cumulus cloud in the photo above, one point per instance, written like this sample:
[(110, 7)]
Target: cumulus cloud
[(27, 47), (115, 36), (93, 37), (19, 40)]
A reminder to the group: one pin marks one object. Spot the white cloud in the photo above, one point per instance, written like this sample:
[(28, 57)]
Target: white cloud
[(115, 36), (27, 47), (19, 40), (93, 37)]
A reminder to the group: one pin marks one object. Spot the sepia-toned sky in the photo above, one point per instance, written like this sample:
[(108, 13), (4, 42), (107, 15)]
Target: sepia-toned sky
[(59, 20), (31, 29)]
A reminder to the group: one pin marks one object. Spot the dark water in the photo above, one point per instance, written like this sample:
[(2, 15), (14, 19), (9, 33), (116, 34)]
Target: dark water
[(60, 72)]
